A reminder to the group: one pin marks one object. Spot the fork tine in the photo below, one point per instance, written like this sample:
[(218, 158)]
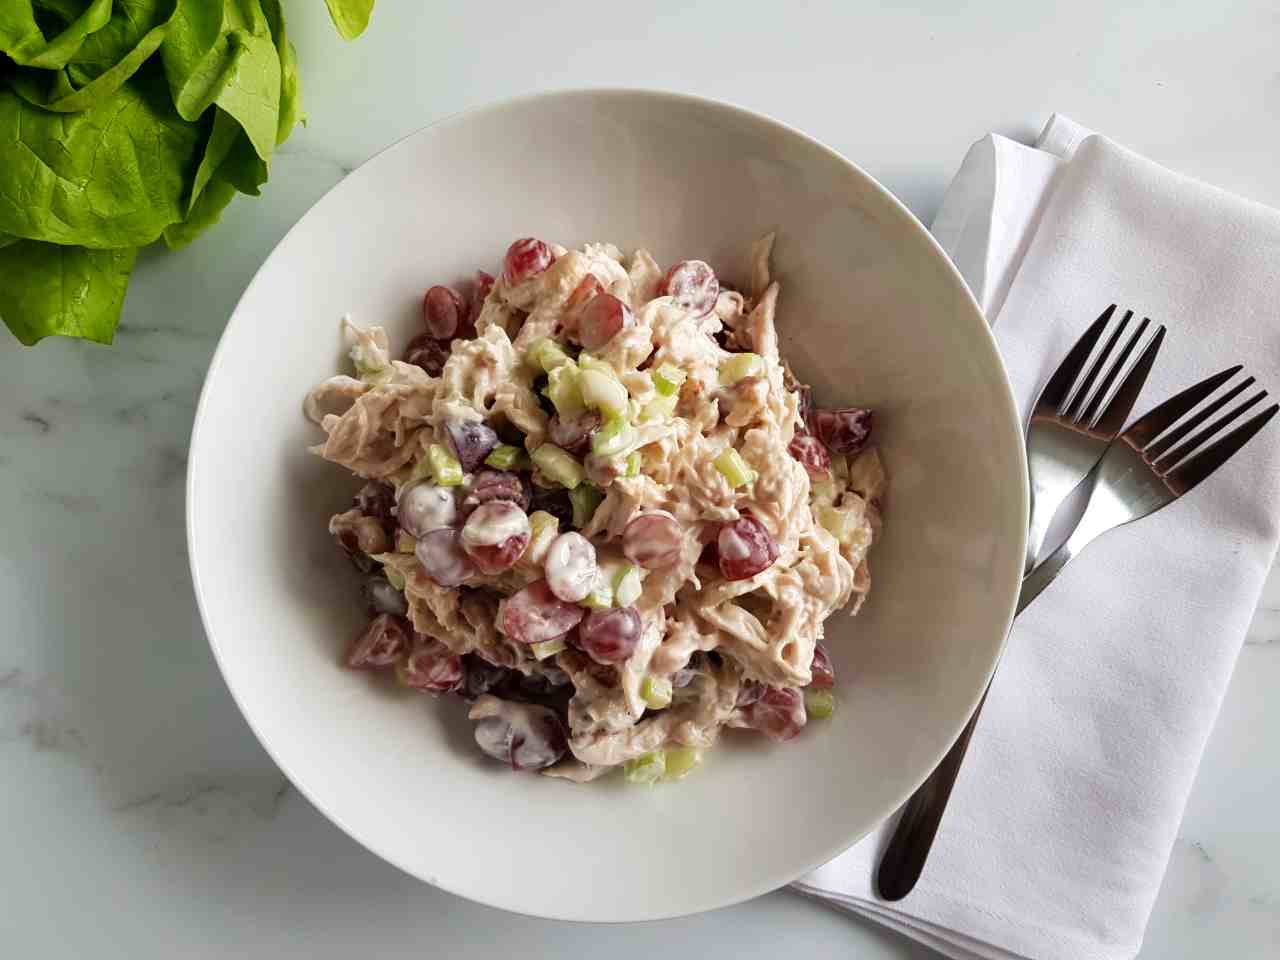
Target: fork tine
[(1116, 412), (1158, 449), (1055, 391), (1186, 476), (1142, 431), (1179, 454), (1091, 411), (1082, 392)]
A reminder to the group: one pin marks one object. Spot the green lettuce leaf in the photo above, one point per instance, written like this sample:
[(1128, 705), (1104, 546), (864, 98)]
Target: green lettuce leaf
[(204, 214), (107, 59), (47, 290), (291, 113), (222, 52), (350, 16), (114, 175), (24, 42)]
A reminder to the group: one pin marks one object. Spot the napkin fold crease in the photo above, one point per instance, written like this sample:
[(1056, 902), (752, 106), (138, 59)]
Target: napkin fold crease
[(1064, 816)]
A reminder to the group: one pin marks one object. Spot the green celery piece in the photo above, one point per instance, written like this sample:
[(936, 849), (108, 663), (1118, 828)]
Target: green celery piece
[(204, 214), (221, 51), (562, 467), (733, 467), (668, 378), (633, 464), (585, 498), (394, 577), (656, 692), (680, 761), (291, 112), (52, 290), (446, 471), (819, 704), (24, 43), (350, 16), (504, 456), (739, 366), (647, 769), (114, 175)]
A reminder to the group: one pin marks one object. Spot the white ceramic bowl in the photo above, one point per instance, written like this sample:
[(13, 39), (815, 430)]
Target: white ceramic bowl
[(872, 313)]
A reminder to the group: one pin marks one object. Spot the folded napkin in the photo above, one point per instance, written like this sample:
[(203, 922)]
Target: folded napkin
[(1065, 812)]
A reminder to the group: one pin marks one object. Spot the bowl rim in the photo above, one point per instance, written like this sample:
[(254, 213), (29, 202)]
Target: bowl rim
[(1009, 413)]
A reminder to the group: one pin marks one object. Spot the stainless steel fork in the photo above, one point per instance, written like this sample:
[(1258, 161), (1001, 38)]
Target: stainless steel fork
[(1148, 466), (1069, 429)]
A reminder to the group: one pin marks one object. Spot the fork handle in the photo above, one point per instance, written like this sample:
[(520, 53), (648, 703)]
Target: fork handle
[(908, 849)]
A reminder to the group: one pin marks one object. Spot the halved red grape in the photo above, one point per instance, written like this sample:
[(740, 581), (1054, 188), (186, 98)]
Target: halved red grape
[(610, 636), (524, 735), (432, 668), (471, 440), (779, 713), (424, 507), (749, 693), (495, 535), (536, 614), (586, 291), (812, 455), (443, 311), (382, 643), (442, 557), (525, 258), (601, 319), (652, 540), (574, 435), (846, 430), (692, 284), (489, 486), (428, 353), (745, 548), (824, 674), (571, 566)]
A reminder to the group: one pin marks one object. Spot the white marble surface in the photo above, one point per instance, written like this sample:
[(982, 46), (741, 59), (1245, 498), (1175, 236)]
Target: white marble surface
[(143, 820)]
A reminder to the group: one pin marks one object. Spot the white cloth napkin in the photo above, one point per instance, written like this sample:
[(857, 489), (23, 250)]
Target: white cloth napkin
[(1062, 820)]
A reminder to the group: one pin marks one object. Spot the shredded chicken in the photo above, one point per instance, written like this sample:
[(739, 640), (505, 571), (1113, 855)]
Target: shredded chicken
[(760, 629)]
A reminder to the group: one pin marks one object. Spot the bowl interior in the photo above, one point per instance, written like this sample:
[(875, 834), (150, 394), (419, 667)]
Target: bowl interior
[(871, 314)]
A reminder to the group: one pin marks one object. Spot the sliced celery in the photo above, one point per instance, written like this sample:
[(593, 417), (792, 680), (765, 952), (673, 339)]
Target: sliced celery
[(600, 597), (823, 493), (405, 543), (841, 524), (615, 437), (602, 392), (626, 585), (545, 354), (668, 378), (740, 366), (394, 577), (633, 464), (565, 392), (504, 457), (648, 769), (681, 760), (661, 407), (819, 704), (585, 498), (733, 467), (588, 362), (445, 468), (656, 692), (547, 648), (559, 466)]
